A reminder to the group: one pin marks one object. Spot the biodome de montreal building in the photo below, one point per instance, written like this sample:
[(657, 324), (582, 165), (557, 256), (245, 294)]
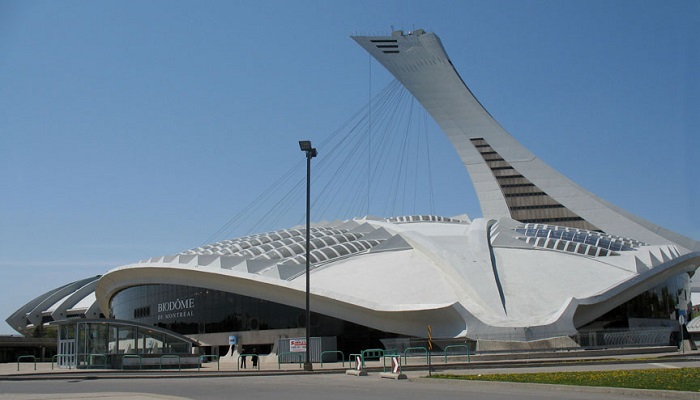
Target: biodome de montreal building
[(547, 260)]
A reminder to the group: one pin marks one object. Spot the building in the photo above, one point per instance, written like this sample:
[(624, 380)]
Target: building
[(13, 347), (547, 259)]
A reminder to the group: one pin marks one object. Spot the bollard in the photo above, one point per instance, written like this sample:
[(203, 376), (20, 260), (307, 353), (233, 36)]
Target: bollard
[(359, 367), (395, 369)]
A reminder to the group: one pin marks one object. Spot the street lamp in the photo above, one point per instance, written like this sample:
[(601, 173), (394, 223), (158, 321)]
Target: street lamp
[(311, 152)]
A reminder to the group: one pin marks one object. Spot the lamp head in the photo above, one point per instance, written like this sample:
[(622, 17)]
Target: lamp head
[(305, 145)]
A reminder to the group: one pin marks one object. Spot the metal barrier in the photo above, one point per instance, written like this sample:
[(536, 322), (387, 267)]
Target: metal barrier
[(290, 353), (247, 355), (595, 339), (630, 337), (179, 364), (456, 346), (212, 356), (413, 349), (104, 358), (131, 356), (372, 353), (342, 355), (27, 357), (390, 356), (55, 359)]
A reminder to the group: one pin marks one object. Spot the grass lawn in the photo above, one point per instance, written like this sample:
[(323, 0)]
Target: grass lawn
[(686, 379)]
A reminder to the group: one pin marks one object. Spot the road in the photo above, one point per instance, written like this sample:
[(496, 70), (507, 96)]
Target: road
[(307, 387), (47, 383)]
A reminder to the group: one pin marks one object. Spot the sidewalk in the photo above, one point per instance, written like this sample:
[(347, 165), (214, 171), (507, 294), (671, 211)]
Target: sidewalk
[(27, 370), (414, 367)]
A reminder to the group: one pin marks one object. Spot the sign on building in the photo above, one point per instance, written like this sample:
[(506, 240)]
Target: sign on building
[(297, 345)]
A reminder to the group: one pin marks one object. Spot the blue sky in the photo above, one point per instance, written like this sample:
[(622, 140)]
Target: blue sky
[(133, 129)]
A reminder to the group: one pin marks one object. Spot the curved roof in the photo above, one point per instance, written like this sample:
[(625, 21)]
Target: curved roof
[(478, 279), (475, 279), (73, 300)]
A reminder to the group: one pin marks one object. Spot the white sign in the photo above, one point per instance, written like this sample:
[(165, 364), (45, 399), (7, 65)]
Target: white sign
[(297, 345), (233, 340)]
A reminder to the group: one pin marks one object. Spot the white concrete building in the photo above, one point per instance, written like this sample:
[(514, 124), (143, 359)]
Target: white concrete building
[(546, 259)]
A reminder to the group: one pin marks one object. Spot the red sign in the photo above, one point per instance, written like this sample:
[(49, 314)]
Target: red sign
[(297, 345)]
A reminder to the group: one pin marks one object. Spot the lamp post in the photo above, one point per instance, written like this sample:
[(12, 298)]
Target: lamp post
[(311, 152)]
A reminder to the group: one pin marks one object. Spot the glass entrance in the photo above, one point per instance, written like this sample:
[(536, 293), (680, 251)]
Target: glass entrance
[(66, 353)]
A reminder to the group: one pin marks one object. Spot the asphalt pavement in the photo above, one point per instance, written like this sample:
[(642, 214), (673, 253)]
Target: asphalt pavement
[(216, 380)]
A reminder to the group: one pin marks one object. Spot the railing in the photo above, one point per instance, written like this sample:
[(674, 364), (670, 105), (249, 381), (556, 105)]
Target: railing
[(372, 353), (26, 357), (206, 356), (290, 353), (413, 350), (342, 355), (604, 338), (90, 358), (131, 356), (525, 342), (625, 338), (179, 364), (457, 346)]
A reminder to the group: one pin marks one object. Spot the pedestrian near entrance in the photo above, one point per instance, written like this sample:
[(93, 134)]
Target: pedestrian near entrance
[(254, 357), (242, 351)]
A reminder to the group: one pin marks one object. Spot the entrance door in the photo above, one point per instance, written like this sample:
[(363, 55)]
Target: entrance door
[(66, 353)]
